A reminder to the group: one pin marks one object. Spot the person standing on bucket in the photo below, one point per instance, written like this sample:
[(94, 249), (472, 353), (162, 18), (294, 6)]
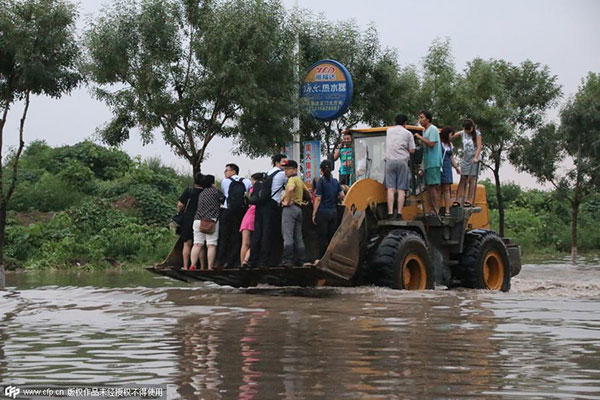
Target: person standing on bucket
[(266, 239), (294, 252), (234, 188), (209, 203), (328, 193)]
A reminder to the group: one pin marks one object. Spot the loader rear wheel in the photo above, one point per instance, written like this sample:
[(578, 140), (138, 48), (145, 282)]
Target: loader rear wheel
[(402, 262), (484, 262)]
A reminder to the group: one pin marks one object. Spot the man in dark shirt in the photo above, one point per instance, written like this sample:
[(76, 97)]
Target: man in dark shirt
[(230, 238), (267, 242)]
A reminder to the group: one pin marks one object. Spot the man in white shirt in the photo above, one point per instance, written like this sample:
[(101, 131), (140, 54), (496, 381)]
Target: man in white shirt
[(234, 188), (267, 242), (399, 144)]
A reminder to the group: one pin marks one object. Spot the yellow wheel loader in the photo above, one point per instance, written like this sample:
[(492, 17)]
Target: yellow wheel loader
[(418, 252)]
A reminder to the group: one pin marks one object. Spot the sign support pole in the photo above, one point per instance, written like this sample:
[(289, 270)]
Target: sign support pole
[(296, 123)]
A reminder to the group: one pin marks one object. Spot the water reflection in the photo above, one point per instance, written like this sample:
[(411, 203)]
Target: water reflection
[(220, 343)]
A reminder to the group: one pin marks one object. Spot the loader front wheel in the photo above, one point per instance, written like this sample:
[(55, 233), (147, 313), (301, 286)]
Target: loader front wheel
[(402, 261), (484, 262)]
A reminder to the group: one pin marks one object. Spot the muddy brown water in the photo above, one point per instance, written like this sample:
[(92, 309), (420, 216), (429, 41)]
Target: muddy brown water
[(540, 340)]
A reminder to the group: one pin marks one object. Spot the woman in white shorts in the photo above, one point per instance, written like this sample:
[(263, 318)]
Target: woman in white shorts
[(209, 205)]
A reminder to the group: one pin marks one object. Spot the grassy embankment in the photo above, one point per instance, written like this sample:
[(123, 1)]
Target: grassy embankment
[(90, 207)]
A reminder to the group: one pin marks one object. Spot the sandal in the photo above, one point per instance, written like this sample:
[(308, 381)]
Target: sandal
[(456, 204), (467, 204)]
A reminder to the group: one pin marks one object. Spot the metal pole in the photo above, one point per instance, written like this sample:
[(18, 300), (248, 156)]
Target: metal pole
[(296, 124)]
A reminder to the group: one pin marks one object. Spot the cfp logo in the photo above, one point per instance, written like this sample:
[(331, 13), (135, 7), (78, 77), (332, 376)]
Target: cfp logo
[(11, 391)]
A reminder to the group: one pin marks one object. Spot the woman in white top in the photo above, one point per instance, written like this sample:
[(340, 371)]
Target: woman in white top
[(469, 166)]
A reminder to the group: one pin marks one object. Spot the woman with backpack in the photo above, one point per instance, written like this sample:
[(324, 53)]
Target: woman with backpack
[(206, 225), (247, 225), (187, 205), (329, 192), (469, 166)]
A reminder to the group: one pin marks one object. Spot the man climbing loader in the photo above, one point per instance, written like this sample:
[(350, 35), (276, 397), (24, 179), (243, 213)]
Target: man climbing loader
[(416, 253)]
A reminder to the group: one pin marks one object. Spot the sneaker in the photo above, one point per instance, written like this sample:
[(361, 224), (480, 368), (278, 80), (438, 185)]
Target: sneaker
[(390, 216), (399, 217)]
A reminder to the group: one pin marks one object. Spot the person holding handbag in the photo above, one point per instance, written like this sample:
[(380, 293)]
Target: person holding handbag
[(186, 207), (206, 224)]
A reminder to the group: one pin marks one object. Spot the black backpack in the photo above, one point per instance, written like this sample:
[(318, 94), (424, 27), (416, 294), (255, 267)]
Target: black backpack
[(261, 193), (236, 195)]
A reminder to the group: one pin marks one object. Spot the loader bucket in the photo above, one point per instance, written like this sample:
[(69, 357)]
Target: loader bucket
[(343, 254), (175, 257)]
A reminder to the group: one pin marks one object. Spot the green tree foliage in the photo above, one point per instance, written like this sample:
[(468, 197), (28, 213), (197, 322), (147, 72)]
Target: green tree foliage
[(438, 86), (381, 87), (568, 156), (38, 56), (194, 71), (506, 101)]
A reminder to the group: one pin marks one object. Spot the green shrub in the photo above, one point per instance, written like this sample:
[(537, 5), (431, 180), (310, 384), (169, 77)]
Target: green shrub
[(24, 241), (69, 251), (79, 176), (51, 193), (155, 207), (137, 242)]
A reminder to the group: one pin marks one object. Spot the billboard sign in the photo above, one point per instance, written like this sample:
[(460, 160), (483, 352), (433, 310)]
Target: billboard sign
[(327, 90)]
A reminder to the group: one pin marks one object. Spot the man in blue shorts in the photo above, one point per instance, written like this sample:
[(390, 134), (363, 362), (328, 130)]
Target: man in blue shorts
[(432, 158)]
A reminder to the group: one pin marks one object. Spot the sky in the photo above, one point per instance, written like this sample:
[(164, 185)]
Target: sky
[(564, 34)]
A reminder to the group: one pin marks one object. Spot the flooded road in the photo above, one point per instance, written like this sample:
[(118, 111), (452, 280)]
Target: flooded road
[(541, 340)]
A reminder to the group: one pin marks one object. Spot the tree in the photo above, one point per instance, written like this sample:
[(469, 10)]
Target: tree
[(506, 101), (38, 56), (439, 85), (195, 71), (381, 88), (574, 145)]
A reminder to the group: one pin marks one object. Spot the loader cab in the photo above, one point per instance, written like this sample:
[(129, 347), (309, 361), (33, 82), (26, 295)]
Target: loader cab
[(369, 152)]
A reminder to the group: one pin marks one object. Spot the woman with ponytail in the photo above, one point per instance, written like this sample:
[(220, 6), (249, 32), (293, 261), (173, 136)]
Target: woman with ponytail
[(469, 166), (329, 192)]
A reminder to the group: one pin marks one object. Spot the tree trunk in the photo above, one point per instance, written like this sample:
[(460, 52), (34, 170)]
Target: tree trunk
[(196, 165), (575, 214), (2, 237), (500, 200)]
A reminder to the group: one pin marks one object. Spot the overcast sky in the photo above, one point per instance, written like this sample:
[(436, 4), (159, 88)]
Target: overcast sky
[(564, 34)]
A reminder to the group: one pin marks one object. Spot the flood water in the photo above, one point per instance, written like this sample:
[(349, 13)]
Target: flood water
[(540, 340)]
